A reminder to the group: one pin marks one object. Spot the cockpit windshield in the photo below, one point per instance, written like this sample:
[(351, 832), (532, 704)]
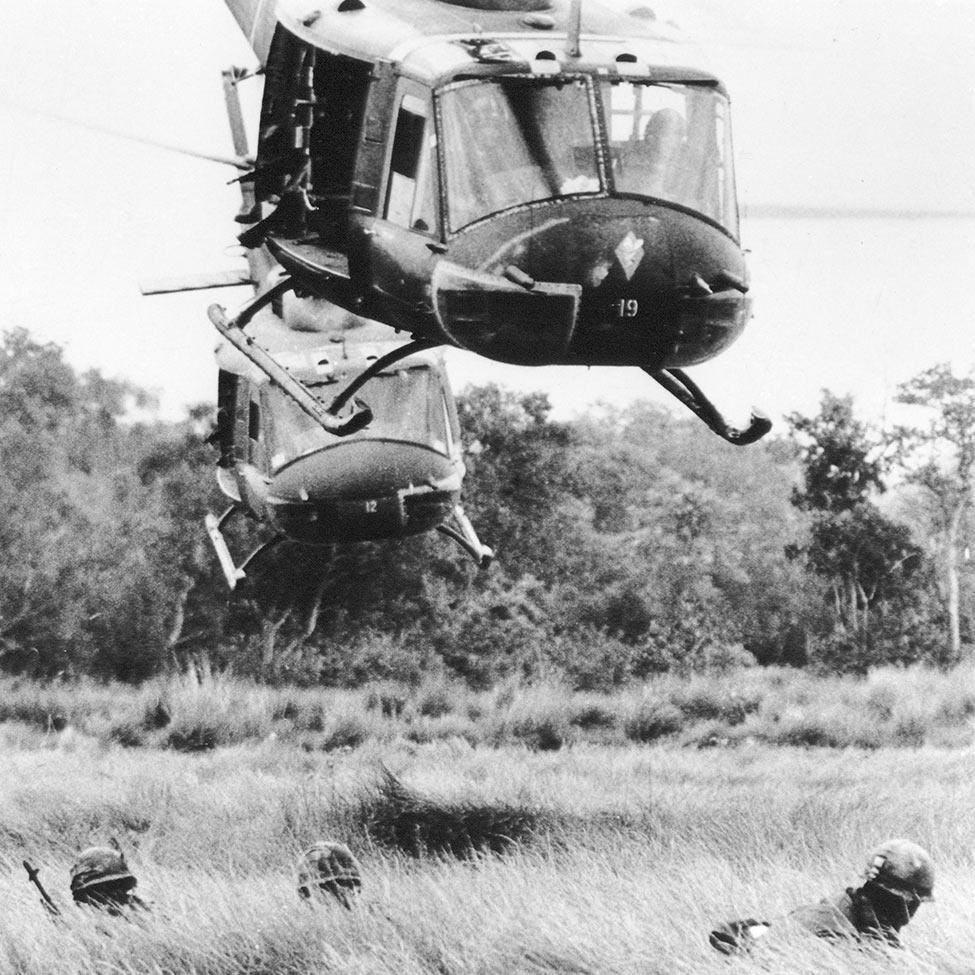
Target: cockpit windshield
[(673, 142), (407, 406), (515, 140)]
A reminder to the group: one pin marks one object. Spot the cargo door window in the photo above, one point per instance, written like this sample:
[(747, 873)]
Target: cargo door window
[(410, 193)]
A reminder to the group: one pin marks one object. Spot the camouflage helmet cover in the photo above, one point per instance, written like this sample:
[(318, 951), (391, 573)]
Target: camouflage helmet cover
[(99, 865), (328, 863), (899, 865)]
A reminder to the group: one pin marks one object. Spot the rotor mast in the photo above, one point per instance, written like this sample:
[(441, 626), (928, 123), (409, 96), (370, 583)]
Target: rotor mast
[(574, 29)]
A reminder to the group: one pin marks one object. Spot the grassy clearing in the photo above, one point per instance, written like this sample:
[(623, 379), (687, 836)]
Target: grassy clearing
[(203, 711), (625, 858)]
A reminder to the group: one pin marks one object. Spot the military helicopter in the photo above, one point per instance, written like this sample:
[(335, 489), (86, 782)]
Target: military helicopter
[(386, 470), (400, 475), (517, 178)]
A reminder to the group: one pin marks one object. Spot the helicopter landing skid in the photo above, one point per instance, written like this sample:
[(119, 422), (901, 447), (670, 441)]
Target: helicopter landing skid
[(467, 539), (232, 572), (681, 386)]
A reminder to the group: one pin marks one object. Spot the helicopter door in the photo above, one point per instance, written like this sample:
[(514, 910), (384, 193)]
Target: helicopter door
[(341, 84), (408, 224), (241, 400), (250, 449)]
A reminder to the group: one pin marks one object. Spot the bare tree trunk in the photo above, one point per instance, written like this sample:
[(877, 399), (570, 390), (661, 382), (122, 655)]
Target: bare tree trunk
[(179, 616), (269, 638), (179, 613), (953, 598), (311, 617), (850, 603)]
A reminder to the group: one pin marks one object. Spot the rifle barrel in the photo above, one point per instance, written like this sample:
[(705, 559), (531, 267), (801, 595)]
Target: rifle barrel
[(32, 873)]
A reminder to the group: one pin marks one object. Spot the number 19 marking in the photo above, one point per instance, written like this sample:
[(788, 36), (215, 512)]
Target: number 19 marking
[(626, 307)]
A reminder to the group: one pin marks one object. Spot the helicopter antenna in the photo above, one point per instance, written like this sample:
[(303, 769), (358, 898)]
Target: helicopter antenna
[(575, 26), (237, 162)]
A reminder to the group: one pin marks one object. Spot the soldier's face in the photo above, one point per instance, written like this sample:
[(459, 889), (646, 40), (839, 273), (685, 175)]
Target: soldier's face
[(111, 896), (343, 890), (893, 910)]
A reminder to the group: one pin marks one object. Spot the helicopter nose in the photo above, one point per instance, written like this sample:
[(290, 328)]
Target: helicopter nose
[(662, 288), (606, 283), (362, 490), (710, 316)]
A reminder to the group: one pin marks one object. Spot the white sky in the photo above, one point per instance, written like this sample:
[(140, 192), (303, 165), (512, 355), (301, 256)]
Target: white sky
[(864, 103)]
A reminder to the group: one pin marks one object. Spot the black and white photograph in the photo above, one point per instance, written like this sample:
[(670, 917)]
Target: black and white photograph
[(486, 487)]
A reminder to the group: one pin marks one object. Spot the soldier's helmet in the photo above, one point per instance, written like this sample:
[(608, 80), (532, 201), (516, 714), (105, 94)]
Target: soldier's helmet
[(330, 867), (99, 869), (902, 867)]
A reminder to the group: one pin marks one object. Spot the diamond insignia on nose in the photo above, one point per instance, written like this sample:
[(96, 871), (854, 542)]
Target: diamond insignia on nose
[(629, 252)]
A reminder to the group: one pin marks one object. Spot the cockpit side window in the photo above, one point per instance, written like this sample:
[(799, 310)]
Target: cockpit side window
[(410, 192)]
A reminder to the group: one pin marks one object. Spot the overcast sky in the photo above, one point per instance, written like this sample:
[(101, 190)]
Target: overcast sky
[(859, 103)]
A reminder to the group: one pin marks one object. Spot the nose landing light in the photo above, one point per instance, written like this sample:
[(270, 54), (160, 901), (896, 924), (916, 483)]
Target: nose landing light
[(502, 319)]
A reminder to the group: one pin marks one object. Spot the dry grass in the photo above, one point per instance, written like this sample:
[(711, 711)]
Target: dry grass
[(202, 711), (622, 859), (520, 830)]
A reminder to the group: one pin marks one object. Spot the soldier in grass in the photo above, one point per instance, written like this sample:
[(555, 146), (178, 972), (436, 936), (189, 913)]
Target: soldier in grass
[(329, 869), (899, 877), (101, 878)]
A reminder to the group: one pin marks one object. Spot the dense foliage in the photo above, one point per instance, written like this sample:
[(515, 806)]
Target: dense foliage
[(629, 543)]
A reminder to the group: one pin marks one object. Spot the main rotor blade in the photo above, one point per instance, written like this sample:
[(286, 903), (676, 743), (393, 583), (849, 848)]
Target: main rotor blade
[(238, 162)]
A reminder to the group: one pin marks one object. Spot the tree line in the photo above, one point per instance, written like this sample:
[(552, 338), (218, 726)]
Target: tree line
[(629, 542)]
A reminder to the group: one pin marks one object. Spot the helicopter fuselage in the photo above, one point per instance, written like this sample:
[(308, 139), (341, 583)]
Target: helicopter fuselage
[(399, 476), (585, 282), (492, 190), (363, 490)]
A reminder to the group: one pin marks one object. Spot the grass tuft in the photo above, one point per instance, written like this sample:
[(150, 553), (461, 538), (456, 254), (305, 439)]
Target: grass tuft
[(652, 719), (400, 818)]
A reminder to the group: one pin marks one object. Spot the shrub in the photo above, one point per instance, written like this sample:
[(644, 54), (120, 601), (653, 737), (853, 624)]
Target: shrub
[(911, 729), (387, 697), (347, 731), (424, 730), (128, 734), (705, 703), (652, 719), (198, 737), (309, 716), (435, 698), (721, 658), (593, 714), (544, 732), (537, 717), (591, 659)]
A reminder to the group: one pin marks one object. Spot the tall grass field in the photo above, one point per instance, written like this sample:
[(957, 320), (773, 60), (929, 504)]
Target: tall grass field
[(522, 830)]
